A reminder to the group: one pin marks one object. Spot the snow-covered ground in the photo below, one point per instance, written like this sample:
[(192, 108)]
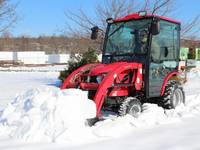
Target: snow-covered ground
[(41, 116)]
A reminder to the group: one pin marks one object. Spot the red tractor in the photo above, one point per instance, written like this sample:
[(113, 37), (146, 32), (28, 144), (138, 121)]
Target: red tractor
[(140, 62)]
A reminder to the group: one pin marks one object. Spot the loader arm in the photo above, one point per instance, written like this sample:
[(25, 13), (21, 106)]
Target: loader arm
[(72, 80)]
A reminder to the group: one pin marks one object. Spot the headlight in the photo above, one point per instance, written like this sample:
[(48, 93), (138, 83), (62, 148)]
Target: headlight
[(88, 79), (99, 79)]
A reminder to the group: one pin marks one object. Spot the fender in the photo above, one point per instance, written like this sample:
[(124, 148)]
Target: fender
[(167, 79), (70, 81)]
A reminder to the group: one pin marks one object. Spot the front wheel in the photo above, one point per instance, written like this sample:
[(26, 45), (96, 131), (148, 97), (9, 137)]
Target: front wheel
[(131, 106), (173, 95)]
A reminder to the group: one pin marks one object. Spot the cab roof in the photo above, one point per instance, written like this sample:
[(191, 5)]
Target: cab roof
[(138, 17)]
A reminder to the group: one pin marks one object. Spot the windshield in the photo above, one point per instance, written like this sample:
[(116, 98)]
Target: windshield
[(127, 37)]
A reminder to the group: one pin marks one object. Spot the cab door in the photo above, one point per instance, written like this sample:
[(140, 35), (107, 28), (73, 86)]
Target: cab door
[(164, 56)]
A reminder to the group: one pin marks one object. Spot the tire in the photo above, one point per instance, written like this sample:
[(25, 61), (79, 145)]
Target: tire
[(131, 106), (173, 95)]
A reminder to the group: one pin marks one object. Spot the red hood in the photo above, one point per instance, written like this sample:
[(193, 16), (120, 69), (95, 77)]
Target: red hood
[(105, 68)]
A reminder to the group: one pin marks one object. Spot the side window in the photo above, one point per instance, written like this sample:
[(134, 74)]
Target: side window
[(165, 45)]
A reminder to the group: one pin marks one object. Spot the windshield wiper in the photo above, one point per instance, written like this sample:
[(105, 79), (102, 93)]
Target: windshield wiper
[(121, 26)]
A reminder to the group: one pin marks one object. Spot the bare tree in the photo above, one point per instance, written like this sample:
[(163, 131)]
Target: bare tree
[(115, 9), (8, 15), (118, 8), (191, 29)]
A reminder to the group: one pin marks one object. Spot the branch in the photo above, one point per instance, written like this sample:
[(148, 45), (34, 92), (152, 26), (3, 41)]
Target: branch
[(7, 15), (157, 6), (191, 28)]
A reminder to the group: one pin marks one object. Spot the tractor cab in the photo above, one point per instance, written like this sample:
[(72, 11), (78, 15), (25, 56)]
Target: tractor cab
[(148, 39)]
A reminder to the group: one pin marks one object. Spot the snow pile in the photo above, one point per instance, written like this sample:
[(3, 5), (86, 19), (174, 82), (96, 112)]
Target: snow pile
[(48, 114), (51, 114), (153, 115)]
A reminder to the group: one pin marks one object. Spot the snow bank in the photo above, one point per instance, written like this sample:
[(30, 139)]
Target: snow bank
[(153, 115), (48, 114)]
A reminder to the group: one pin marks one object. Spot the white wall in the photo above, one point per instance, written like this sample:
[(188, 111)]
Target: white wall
[(100, 57), (6, 56), (36, 57), (31, 57), (58, 58), (64, 58)]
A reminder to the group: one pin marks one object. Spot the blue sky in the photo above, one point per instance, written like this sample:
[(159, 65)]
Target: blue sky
[(46, 17)]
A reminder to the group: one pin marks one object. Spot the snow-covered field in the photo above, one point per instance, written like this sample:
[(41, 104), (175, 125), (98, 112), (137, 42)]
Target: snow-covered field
[(37, 115)]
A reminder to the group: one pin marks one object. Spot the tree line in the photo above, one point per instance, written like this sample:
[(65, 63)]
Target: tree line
[(49, 44)]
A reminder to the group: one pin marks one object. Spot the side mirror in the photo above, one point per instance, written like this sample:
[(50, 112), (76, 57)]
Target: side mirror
[(155, 26), (94, 34), (109, 20)]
